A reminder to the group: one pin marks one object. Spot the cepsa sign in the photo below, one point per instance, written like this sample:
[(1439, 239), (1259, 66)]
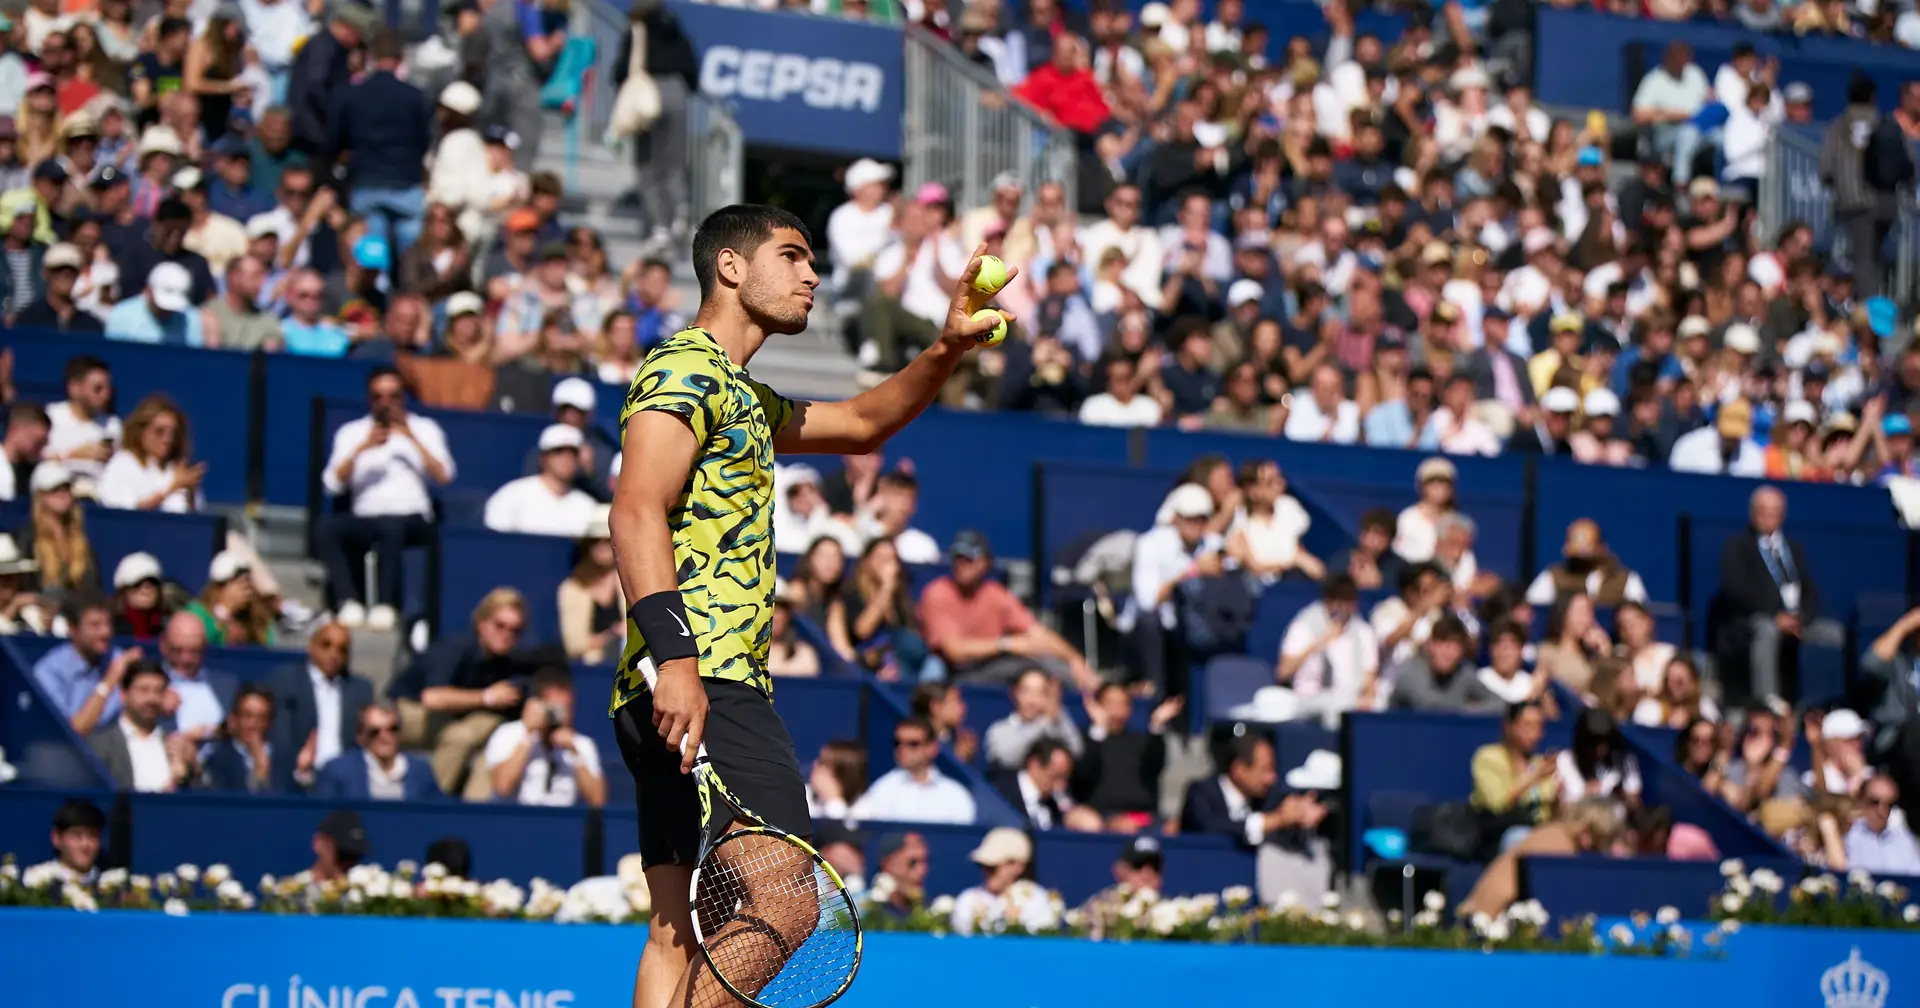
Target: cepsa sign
[(801, 82)]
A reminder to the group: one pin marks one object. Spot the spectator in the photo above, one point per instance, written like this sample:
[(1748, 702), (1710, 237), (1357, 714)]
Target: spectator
[(240, 757), (591, 602), (806, 517), (1770, 600), (1505, 675), (1371, 561), (1635, 644), (982, 633), (56, 536), (375, 769), (339, 843), (1879, 842), (915, 791), (77, 825), (787, 653), (882, 628), (1666, 102), (385, 124), (1417, 530), (815, 587), (1550, 433), (213, 236), (1587, 568), (1064, 90), (1515, 786), (56, 308), (540, 759), (164, 313), (385, 464), (22, 444), (1598, 765), (1038, 789), (901, 885), (1139, 870), (1124, 403), (464, 685), (1439, 679), (1119, 776), (83, 677), (150, 472), (1138, 244), (1575, 641), (1329, 657), (1004, 855), (1864, 158), (889, 515), (1760, 770), (140, 605), (139, 752), (1322, 412), (574, 403), (1454, 428), (837, 779), (1724, 447), (1037, 713), (858, 229), (165, 244), (1588, 827), (547, 503), (1404, 622), (1837, 743), (1678, 701), (1238, 804), (1264, 539), (236, 314), (21, 610), (1172, 568), (1702, 752), (321, 70), (316, 702), (199, 698), (913, 277), (1883, 668), (943, 706)]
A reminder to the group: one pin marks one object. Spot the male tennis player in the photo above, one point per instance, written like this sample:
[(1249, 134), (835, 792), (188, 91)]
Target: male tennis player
[(692, 528)]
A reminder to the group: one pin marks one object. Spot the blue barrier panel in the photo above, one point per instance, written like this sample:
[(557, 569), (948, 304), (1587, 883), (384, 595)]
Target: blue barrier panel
[(39, 743), (247, 664), (1572, 886), (257, 961), (1843, 562), (813, 84), (26, 818), (183, 543), (292, 383), (475, 561), (1167, 448), (210, 385), (1587, 60), (1079, 501)]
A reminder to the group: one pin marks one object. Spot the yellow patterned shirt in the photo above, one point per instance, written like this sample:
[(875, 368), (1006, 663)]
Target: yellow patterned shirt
[(723, 523)]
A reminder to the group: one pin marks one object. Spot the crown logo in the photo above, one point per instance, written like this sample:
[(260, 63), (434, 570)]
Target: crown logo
[(1854, 983)]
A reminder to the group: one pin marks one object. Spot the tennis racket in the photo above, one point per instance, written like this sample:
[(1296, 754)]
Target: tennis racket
[(772, 918)]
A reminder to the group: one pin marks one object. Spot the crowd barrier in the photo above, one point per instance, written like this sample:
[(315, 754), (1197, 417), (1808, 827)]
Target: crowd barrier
[(364, 962), (183, 543), (1585, 59)]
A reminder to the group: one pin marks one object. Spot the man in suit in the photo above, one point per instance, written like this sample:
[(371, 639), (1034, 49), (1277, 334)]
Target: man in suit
[(199, 698), (1039, 788), (243, 759), (317, 701), (1498, 373), (1769, 603), (140, 754), (377, 770), (1235, 803)]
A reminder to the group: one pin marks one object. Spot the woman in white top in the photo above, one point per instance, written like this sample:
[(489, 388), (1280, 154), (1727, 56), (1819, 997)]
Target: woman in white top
[(1215, 474), (150, 471), (1598, 765), (1636, 646), (1678, 702), (1418, 530), (1265, 535)]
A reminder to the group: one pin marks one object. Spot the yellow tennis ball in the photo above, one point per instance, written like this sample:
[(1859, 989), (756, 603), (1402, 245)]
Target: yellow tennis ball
[(992, 275), (999, 328)]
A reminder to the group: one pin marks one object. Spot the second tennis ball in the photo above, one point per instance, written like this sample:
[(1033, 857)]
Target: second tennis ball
[(992, 275), (999, 329)]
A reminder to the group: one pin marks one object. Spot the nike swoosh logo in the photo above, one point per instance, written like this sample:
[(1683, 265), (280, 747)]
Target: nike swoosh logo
[(683, 624)]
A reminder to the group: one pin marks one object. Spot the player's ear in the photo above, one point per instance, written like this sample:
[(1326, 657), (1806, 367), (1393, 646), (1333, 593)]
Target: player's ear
[(731, 267)]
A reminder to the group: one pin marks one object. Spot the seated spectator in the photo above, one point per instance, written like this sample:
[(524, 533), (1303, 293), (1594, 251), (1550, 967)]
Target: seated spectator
[(1371, 561), (944, 706), (1037, 713), (1173, 565), (1614, 689), (1678, 701), (804, 517), (915, 791), (1439, 678), (231, 606), (547, 503), (1238, 803), (385, 463), (982, 633), (1140, 868), (1575, 641), (889, 515), (1588, 827), (1601, 441), (22, 443), (1515, 786), (1039, 789), (1264, 538), (240, 756), (77, 825), (307, 329), (339, 843), (1404, 622), (82, 429), (1598, 765), (1004, 855), (882, 628), (1634, 644), (1125, 402), (1454, 427), (837, 779), (1837, 743), (1760, 770), (199, 698), (1586, 567), (142, 601), (1214, 474), (236, 313), (1119, 774), (1331, 658), (1505, 674), (815, 590), (574, 403), (900, 887), (372, 766), (1879, 841), (316, 702), (1322, 412), (1417, 530), (55, 537), (592, 604), (1724, 447), (151, 472), (21, 611), (163, 313), (1242, 405), (1551, 432), (789, 654), (1453, 557), (1769, 600), (540, 759), (83, 677), (56, 309), (463, 687), (140, 754)]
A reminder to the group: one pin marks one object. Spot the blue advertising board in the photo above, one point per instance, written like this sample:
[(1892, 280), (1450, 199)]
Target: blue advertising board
[(253, 961), (807, 83)]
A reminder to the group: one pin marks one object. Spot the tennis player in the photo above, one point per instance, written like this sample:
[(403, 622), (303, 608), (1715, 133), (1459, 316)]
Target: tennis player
[(692, 528)]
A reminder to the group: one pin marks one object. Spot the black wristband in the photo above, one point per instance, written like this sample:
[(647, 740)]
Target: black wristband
[(661, 619)]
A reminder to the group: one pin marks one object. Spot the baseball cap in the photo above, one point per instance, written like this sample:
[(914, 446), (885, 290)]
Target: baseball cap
[(1897, 425), (970, 544), (1389, 340), (891, 844), (63, 256), (1446, 312), (1243, 291), (550, 252), (1703, 188), (135, 568), (575, 392), (1539, 239), (1742, 338), (522, 220), (50, 171), (464, 303), (231, 146), (1495, 313), (261, 226), (169, 285), (40, 79), (1190, 500), (1843, 724), (11, 560), (349, 837), (187, 178), (931, 193), (1798, 91), (1602, 402), (227, 565), (49, 476), (1560, 399), (867, 171), (1435, 468), (1694, 325), (1816, 370), (1567, 322), (1143, 852), (106, 177), (1734, 420), (460, 97), (1001, 845), (501, 136), (560, 436), (1589, 157), (1800, 411)]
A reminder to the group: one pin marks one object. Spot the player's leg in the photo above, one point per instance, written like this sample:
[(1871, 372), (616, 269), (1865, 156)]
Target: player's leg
[(669, 812), (757, 904), (670, 948)]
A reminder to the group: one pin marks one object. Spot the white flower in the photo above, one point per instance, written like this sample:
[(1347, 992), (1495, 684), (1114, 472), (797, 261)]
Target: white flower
[(247, 902), (1741, 887), (1164, 917), (218, 874), (113, 878), (1528, 912), (1767, 881), (267, 883), (1911, 914), (1499, 930), (1887, 890), (1620, 934), (1427, 919), (407, 868), (1330, 900), (140, 883), (942, 906), (1434, 900), (1810, 886), (399, 888), (434, 870), (504, 897), (1356, 921), (1481, 922), (166, 882), (1730, 926), (176, 907), (1329, 918), (1679, 935), (9, 872), (78, 898), (1236, 896), (1731, 904), (188, 873), (360, 876), (1732, 866), (1860, 878), (230, 891), (1667, 915), (1289, 900), (882, 889)]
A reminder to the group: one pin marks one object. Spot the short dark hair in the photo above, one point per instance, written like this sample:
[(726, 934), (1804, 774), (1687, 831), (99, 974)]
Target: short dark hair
[(1514, 710), (173, 210), (1240, 749), (1507, 626), (900, 479), (252, 690), (552, 677), (28, 413), (79, 605), (386, 45), (742, 227), (143, 667), (173, 24), (78, 813), (1380, 518), (1043, 749), (1340, 587), (81, 365), (384, 371), (918, 722), (1449, 628), (656, 264)]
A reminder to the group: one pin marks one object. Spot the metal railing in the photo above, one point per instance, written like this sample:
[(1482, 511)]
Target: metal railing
[(1791, 190), (962, 128)]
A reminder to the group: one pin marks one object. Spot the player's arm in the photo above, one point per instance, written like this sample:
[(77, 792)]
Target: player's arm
[(658, 453), (864, 422)]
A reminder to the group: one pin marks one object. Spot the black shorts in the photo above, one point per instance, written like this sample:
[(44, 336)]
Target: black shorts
[(750, 751)]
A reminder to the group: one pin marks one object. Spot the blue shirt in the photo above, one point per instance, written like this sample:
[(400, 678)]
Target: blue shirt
[(199, 705), (68, 679), (324, 338), (133, 320), (239, 204)]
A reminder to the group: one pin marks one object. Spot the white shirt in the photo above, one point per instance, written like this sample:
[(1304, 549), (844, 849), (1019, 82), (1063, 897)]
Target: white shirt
[(1103, 410), (1744, 141), (549, 777), (898, 797), (1649, 712), (1613, 782), (1273, 539), (1160, 558), (8, 490), (1306, 421), (1663, 92), (327, 717), (1415, 536), (384, 784), (856, 236), (923, 296), (1141, 246), (389, 479), (1699, 452), (1216, 260), (1513, 690), (285, 226), (528, 506), (1034, 802), (68, 432), (126, 481), (1543, 593), (148, 754), (1338, 670), (1536, 125), (1465, 437), (1253, 826)]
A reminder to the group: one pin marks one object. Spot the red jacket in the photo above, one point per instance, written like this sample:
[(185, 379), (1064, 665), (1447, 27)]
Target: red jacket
[(1072, 99)]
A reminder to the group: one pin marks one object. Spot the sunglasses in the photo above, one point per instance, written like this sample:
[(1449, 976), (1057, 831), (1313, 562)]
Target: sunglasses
[(376, 730), (909, 743)]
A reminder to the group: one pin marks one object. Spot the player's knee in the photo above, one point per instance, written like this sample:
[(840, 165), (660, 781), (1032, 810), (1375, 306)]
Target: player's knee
[(671, 934)]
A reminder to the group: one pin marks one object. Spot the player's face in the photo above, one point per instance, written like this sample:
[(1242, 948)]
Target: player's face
[(778, 292)]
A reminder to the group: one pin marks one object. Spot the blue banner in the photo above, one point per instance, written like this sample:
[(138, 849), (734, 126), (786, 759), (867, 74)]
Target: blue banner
[(807, 83), (249, 961)]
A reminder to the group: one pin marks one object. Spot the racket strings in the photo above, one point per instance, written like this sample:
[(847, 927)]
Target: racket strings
[(776, 927)]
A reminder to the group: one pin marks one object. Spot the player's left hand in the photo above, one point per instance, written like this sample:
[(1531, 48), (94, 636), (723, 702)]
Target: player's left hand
[(960, 328)]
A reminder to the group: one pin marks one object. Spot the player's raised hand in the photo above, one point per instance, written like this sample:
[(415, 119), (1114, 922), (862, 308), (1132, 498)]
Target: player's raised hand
[(961, 327)]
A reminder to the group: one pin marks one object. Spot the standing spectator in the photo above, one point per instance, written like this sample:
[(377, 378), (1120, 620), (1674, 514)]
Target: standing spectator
[(82, 678), (376, 769), (546, 503), (915, 790), (1888, 675), (322, 69), (540, 759), (139, 752), (661, 151), (510, 56), (1865, 160), (316, 700), (385, 124), (982, 633), (385, 463), (1665, 103), (1878, 842), (151, 472), (1037, 713), (1770, 602), (1330, 657), (241, 757), (1440, 678)]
